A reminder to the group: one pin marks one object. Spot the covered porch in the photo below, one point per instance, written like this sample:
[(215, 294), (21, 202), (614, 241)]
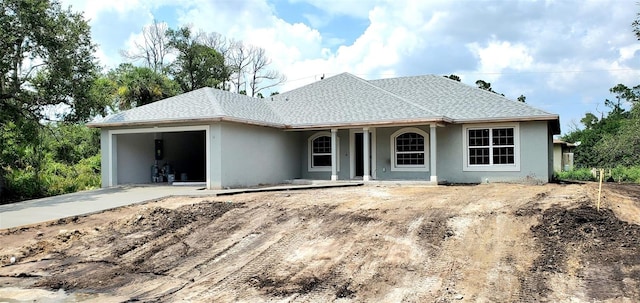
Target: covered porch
[(382, 153)]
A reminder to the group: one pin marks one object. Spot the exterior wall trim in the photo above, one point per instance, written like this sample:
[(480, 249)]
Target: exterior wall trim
[(494, 168), (427, 143), (310, 168)]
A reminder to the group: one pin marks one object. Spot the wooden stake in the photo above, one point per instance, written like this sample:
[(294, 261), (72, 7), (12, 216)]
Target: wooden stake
[(600, 188)]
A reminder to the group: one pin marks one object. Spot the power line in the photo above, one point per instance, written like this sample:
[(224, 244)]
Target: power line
[(383, 75), (317, 76)]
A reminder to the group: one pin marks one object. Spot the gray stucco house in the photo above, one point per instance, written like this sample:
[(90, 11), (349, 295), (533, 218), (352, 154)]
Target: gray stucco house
[(427, 128)]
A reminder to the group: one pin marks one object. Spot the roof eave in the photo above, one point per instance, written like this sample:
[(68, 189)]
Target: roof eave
[(186, 121), (436, 120), (554, 119)]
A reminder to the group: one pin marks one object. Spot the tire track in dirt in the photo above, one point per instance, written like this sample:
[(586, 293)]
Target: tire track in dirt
[(495, 242)]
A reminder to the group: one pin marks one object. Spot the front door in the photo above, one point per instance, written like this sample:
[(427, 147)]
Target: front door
[(359, 155)]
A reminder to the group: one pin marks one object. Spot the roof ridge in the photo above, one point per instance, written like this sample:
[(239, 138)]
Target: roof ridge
[(397, 96), (217, 105)]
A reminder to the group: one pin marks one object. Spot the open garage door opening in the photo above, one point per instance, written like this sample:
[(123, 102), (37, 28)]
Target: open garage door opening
[(159, 157)]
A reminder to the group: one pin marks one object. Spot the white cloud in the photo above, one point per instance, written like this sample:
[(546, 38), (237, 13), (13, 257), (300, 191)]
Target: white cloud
[(577, 49), (92, 9), (497, 56), (396, 30), (354, 8), (628, 52)]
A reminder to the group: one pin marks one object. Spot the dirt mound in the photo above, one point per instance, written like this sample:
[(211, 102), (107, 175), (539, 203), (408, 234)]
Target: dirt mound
[(593, 244), (141, 247)]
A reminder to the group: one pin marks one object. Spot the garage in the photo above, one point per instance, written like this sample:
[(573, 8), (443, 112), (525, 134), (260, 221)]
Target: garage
[(157, 155)]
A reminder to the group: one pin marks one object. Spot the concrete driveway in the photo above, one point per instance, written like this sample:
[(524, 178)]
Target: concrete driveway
[(53, 208)]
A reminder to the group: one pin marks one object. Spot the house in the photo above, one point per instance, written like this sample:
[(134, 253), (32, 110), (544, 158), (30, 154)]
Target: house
[(563, 155), (427, 128)]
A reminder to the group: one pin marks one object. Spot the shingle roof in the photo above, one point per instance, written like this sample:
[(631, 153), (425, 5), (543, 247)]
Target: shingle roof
[(202, 104), (340, 100), (457, 100), (345, 99)]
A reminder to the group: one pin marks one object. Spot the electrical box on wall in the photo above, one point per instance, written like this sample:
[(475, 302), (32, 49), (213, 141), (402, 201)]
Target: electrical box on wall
[(159, 150)]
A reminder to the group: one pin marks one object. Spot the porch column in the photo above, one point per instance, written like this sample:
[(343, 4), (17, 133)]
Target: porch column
[(366, 176), (432, 153), (334, 154)]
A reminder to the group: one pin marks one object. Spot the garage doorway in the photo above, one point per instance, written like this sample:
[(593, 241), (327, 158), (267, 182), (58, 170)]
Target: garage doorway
[(183, 149)]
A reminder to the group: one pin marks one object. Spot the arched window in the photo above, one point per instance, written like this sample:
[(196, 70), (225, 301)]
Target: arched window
[(410, 149), (320, 152)]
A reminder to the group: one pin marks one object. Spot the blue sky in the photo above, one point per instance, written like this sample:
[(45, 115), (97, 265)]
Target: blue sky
[(563, 55)]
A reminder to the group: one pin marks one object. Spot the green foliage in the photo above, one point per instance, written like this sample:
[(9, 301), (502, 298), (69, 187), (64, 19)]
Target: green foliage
[(197, 65), (53, 159), (71, 143), (47, 58), (22, 184), (626, 174), (582, 174), (454, 77), (132, 86), (612, 140), (484, 85), (61, 178)]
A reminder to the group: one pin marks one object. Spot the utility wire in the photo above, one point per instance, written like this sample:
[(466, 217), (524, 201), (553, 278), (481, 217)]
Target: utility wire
[(382, 75)]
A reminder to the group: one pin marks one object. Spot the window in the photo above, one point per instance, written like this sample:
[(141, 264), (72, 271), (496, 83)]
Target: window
[(410, 149), (491, 147), (320, 152)]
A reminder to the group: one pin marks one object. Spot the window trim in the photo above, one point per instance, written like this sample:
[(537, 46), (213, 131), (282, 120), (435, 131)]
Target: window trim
[(310, 166), (427, 142), (491, 167)]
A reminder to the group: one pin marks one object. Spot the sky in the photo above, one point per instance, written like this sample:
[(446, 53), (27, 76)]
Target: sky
[(563, 55)]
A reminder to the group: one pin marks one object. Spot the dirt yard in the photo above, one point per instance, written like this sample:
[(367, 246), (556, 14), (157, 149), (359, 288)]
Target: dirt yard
[(484, 243)]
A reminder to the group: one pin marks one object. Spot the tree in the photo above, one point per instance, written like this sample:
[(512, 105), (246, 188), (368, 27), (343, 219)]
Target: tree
[(196, 65), (635, 25), (47, 59), (486, 86), (611, 140), (217, 42), (137, 86), (522, 99), (454, 77), (239, 57), (258, 69), (624, 93), (153, 49)]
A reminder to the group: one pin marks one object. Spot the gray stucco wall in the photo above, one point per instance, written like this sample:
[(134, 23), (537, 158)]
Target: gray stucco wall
[(534, 153), (550, 157), (384, 157), (557, 157), (135, 153), (105, 166), (253, 155), (243, 155), (215, 149), (343, 172)]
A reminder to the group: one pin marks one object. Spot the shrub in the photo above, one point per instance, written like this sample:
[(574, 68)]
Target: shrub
[(23, 183), (582, 174), (626, 174)]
